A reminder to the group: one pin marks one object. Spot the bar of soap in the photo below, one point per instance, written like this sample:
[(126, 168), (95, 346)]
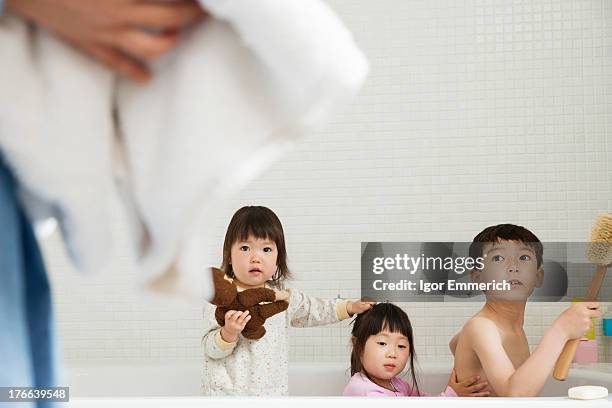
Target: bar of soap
[(587, 392)]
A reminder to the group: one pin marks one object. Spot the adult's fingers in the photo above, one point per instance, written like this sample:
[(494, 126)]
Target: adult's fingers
[(163, 15), (141, 44), (481, 394), (118, 62)]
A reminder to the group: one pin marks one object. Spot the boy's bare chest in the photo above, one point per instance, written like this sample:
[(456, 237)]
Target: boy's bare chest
[(516, 347)]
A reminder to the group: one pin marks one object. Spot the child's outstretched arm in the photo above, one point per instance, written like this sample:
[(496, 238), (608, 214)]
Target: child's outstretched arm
[(307, 311), (354, 307), (528, 379)]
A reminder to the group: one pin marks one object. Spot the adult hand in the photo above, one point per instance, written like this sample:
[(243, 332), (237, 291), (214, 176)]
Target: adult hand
[(122, 34)]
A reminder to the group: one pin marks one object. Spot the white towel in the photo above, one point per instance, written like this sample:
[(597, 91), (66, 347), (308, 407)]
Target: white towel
[(233, 96)]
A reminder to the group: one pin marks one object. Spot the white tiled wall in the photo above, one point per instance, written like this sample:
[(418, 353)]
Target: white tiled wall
[(475, 113)]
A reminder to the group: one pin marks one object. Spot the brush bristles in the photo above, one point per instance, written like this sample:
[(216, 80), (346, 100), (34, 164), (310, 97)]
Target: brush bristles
[(599, 250)]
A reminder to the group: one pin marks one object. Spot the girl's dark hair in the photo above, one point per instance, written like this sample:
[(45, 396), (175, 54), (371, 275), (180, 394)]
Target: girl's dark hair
[(382, 316), (262, 223)]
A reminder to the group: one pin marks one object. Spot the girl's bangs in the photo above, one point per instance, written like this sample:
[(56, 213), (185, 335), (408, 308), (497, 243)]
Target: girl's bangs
[(257, 227)]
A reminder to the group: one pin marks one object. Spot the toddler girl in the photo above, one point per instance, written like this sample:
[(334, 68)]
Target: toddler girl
[(382, 346), (254, 256)]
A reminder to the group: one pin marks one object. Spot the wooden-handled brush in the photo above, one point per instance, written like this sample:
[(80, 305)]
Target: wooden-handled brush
[(599, 252)]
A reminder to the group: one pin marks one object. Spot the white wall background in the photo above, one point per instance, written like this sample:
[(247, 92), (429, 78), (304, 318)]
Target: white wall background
[(476, 112)]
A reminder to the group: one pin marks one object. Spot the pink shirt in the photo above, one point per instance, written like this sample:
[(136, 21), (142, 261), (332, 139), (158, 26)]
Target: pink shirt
[(360, 386)]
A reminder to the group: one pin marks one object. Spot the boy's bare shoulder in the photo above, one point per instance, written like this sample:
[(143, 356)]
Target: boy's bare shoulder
[(479, 326)]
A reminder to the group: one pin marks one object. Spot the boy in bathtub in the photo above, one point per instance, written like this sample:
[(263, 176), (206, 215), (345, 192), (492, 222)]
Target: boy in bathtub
[(493, 344)]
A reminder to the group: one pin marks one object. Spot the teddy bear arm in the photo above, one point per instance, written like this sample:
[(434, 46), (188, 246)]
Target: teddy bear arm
[(251, 297), (270, 309)]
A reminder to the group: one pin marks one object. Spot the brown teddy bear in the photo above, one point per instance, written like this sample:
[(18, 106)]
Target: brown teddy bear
[(227, 297)]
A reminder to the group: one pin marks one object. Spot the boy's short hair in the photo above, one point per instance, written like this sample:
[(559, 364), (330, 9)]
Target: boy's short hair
[(506, 232)]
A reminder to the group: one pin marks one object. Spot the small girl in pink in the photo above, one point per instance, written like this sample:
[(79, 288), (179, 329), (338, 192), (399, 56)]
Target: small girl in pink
[(382, 345)]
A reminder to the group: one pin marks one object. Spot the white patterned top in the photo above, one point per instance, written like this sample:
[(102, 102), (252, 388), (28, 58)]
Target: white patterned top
[(260, 367)]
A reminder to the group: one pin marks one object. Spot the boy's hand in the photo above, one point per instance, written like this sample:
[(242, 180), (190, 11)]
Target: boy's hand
[(121, 34), (282, 295), (235, 321), (356, 307), (576, 320), (469, 387)]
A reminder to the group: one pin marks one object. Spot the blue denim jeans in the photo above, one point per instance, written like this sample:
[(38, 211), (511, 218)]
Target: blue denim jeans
[(27, 336)]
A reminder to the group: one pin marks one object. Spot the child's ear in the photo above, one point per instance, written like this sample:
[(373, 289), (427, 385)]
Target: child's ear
[(539, 277)]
